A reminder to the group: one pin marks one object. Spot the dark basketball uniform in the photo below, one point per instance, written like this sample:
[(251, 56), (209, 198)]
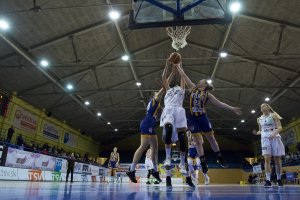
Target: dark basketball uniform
[(113, 160), (148, 123), (197, 119)]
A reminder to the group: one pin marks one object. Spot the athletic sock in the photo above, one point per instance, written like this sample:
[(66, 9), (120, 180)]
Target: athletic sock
[(182, 159), (168, 153), (132, 167), (168, 172), (218, 154), (268, 176), (278, 176), (155, 168)]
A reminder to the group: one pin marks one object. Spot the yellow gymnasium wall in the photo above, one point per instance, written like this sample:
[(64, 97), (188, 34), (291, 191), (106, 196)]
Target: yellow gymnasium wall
[(77, 142), (225, 176)]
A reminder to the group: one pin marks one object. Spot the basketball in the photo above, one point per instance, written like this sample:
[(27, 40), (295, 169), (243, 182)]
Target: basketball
[(175, 58)]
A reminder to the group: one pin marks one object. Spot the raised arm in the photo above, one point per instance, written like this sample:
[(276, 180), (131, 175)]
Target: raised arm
[(223, 105), (186, 79), (165, 82), (182, 83), (162, 90)]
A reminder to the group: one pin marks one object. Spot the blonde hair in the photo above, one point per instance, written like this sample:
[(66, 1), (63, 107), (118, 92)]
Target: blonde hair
[(275, 113)]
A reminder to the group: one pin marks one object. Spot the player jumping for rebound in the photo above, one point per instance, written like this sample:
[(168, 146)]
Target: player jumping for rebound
[(173, 121), (148, 135), (198, 120)]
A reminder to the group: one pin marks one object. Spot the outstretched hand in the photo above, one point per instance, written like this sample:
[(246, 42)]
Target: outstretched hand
[(255, 132), (237, 111)]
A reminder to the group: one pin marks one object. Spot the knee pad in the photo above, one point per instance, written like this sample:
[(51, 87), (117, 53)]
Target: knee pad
[(167, 134), (181, 139)]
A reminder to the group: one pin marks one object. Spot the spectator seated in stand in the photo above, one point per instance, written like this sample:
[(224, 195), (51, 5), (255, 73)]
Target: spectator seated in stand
[(20, 140)]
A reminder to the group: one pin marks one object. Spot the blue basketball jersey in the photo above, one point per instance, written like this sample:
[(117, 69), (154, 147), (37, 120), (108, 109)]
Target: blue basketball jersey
[(198, 99), (153, 108)]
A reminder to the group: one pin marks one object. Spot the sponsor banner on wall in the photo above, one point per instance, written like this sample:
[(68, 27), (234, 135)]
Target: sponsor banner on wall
[(51, 131), (289, 137), (25, 120), (257, 169), (44, 162), (35, 175), (70, 139), (8, 173), (53, 176), (58, 164), (78, 167), (25, 159), (94, 170), (20, 159), (64, 165)]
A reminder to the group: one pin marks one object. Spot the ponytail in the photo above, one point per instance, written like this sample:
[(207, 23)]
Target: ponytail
[(275, 113)]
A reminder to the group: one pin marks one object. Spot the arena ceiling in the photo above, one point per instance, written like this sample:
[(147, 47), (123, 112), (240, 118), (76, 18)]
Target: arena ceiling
[(84, 47)]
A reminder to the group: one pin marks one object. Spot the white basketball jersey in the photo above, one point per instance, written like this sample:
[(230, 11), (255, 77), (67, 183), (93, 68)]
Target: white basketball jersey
[(174, 96), (268, 125)]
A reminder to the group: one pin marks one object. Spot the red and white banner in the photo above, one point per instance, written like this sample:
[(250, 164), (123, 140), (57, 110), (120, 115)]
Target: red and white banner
[(51, 131), (25, 120)]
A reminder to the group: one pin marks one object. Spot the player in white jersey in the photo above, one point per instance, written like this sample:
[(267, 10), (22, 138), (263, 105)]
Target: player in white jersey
[(269, 128), (173, 121)]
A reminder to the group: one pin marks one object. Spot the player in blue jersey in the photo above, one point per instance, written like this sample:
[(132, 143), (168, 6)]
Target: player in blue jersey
[(198, 120), (148, 135), (194, 163)]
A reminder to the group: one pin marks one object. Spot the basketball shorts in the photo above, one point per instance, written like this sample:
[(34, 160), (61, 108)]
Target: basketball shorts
[(113, 164), (174, 115), (273, 147), (192, 153), (148, 164), (147, 125), (199, 124)]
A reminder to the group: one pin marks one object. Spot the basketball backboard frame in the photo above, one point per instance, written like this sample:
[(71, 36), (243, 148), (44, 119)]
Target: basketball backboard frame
[(177, 11)]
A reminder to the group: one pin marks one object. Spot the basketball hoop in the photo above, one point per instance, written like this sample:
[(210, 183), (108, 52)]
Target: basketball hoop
[(178, 35)]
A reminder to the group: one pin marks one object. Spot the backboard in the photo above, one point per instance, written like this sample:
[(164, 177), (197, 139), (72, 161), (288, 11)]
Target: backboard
[(164, 13)]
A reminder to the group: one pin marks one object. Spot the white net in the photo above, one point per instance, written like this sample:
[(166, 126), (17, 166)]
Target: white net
[(178, 36)]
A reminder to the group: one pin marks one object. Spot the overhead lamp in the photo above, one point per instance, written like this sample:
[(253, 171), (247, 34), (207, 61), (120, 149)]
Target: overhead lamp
[(44, 63), (114, 15), (235, 7)]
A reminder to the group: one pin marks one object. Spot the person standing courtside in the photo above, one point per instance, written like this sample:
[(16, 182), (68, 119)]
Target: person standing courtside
[(70, 167)]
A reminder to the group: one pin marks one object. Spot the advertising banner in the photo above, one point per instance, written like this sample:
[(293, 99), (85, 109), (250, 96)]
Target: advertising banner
[(25, 120), (289, 137), (8, 173), (51, 131), (44, 162), (70, 139), (20, 159), (257, 169)]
